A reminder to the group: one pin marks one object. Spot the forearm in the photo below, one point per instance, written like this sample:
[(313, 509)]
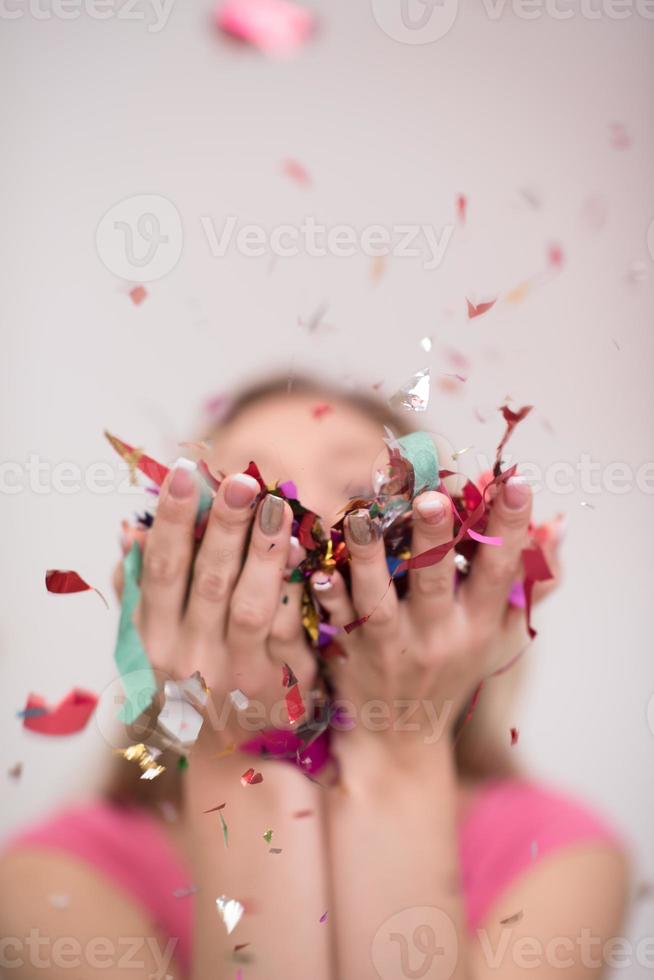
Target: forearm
[(395, 875), (284, 894)]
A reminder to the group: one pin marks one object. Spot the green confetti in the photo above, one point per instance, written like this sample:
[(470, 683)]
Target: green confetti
[(225, 830), (418, 448), (182, 762), (130, 656), (268, 836)]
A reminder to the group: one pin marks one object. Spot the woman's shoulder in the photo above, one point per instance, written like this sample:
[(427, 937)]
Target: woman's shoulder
[(511, 825)]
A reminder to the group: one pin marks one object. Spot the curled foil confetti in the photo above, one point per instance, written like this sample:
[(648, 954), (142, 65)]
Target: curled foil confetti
[(239, 700), (413, 396), (268, 836), (230, 911), (251, 778), (180, 717), (146, 756)]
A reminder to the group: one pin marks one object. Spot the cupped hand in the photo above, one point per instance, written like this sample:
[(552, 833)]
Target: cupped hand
[(228, 610), (415, 662)]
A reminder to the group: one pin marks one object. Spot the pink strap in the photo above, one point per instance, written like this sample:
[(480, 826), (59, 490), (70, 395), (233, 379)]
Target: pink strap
[(510, 826), (128, 846)]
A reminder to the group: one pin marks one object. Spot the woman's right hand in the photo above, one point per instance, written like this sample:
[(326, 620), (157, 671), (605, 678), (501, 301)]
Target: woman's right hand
[(228, 613)]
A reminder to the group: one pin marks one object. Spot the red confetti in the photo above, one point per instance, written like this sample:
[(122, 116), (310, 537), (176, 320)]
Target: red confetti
[(305, 531), (138, 294), (69, 716), (511, 418), (349, 627), (294, 704), (253, 470), (319, 410), (297, 172), (65, 582), (536, 570), (213, 809), (555, 256), (288, 677), (134, 457), (515, 735), (461, 206), (480, 308), (251, 778)]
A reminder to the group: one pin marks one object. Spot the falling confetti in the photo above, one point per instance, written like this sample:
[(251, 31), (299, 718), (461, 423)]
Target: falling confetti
[(296, 172), (555, 256), (512, 919), (16, 771), (239, 700), (584, 503), (224, 829), (251, 778), (323, 917), (268, 836), (146, 756), (138, 294), (230, 911), (318, 411), (275, 850), (461, 208), (71, 715), (413, 396), (378, 268), (480, 308), (426, 344), (277, 27), (515, 735), (65, 582)]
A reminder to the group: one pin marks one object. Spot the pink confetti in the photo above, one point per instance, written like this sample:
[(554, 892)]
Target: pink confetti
[(277, 27), (480, 308), (138, 294), (461, 207), (485, 538), (555, 256), (296, 172)]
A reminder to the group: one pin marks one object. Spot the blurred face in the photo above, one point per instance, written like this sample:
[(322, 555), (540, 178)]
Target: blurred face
[(330, 456)]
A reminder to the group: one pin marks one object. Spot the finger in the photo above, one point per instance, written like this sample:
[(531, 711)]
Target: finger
[(167, 558), (495, 567), (256, 596), (431, 589), (371, 593), (331, 594), (219, 559), (118, 580), (286, 626)]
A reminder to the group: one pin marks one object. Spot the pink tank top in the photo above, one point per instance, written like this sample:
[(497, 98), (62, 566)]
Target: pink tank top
[(509, 826)]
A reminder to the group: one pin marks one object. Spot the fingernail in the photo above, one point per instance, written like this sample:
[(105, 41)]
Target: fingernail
[(240, 490), (271, 514), (516, 492), (182, 484), (360, 526), (431, 510), (321, 584)]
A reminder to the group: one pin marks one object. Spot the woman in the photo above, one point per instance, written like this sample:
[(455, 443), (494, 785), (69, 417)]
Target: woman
[(426, 856)]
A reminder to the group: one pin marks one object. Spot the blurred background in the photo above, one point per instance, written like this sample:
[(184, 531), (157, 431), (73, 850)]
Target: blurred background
[(170, 197)]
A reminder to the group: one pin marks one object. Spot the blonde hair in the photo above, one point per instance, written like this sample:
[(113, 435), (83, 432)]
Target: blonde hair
[(482, 740)]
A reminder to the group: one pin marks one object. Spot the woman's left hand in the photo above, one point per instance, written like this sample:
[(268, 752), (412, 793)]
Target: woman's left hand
[(410, 668)]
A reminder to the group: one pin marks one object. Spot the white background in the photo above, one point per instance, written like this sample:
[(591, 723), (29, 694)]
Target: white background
[(98, 111)]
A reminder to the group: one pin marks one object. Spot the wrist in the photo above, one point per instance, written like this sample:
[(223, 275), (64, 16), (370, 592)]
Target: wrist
[(373, 759)]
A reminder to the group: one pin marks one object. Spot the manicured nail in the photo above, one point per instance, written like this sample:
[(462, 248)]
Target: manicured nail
[(516, 492), (271, 514), (240, 491), (182, 484), (432, 510), (322, 584), (360, 526)]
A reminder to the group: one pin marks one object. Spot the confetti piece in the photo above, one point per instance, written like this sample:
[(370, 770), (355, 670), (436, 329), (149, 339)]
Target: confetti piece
[(515, 735), (224, 829), (555, 256), (227, 751), (146, 756), (16, 771), (378, 268), (461, 207), (301, 814), (267, 836), (319, 410), (518, 294), (413, 396), (426, 344), (181, 714), (619, 137), (536, 570), (460, 452), (230, 912), (294, 704), (274, 850), (185, 892), (239, 947), (585, 503), (315, 319), (512, 419), (511, 919), (532, 197), (485, 539), (251, 778), (296, 172), (71, 715), (215, 809), (480, 308), (323, 917), (239, 700), (138, 294), (129, 653), (136, 459), (65, 582), (277, 27)]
